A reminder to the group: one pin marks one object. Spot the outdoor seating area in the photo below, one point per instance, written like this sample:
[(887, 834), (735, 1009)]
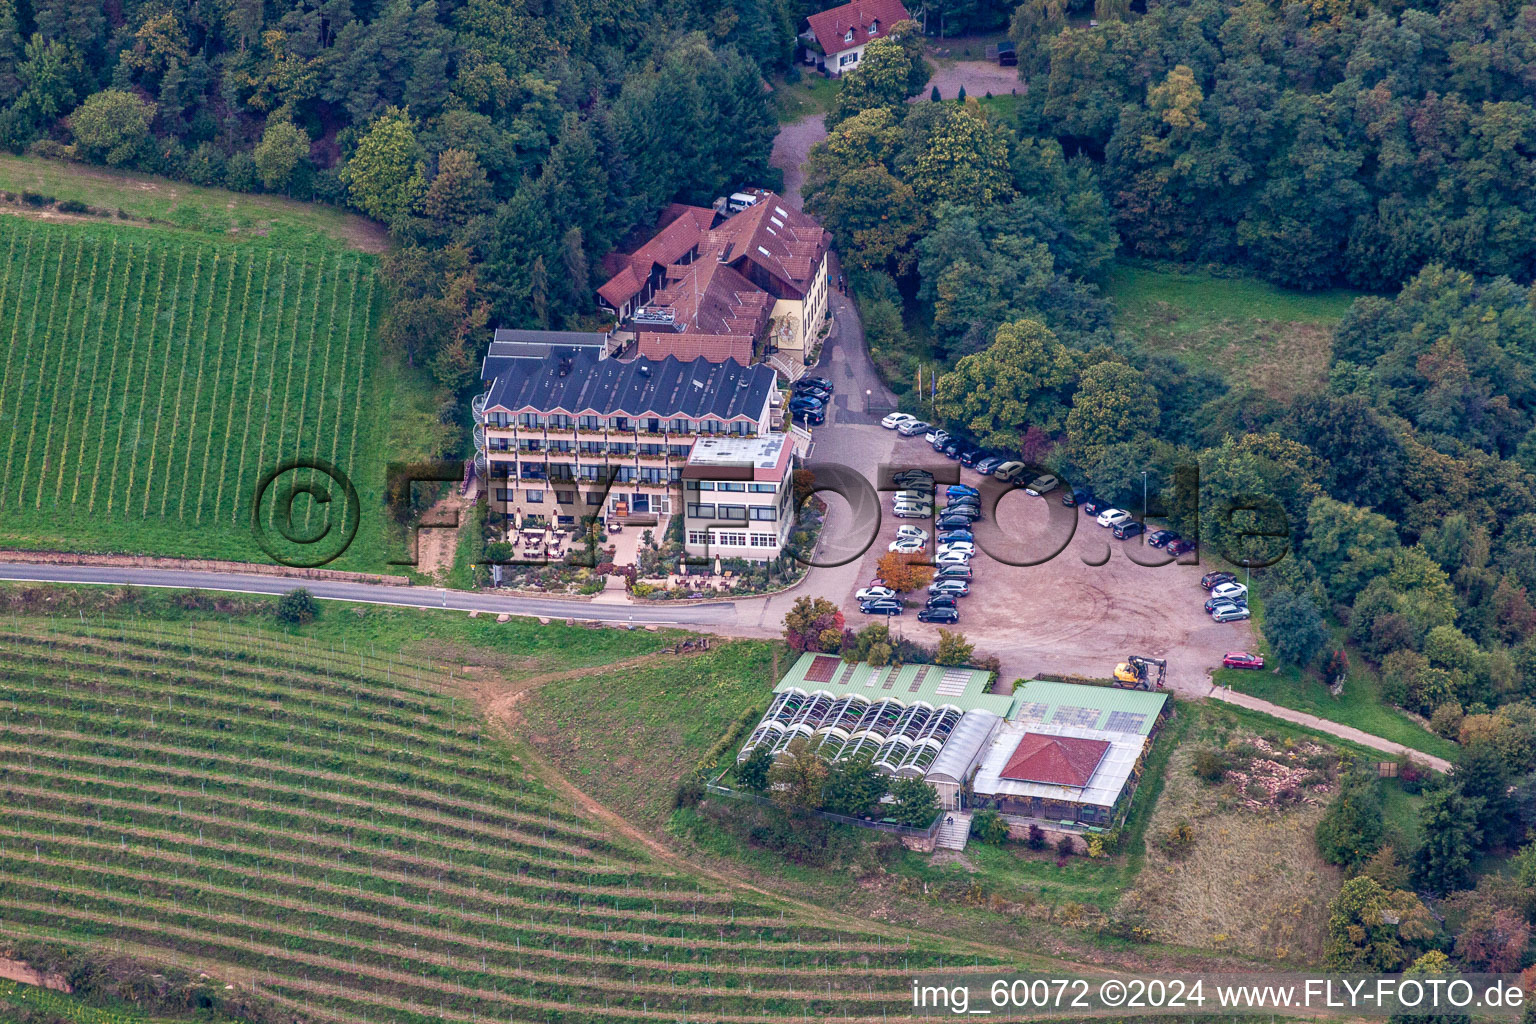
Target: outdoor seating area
[(539, 542)]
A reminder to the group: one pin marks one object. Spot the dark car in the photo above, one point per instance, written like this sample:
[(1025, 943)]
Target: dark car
[(1076, 496), (1161, 538), (1180, 547), (1093, 506), (987, 464), (820, 382), (809, 409), (969, 512), (946, 536), (952, 448), (971, 456), (1127, 530), (884, 606), (948, 616), (1216, 579), (1242, 659), (1212, 603), (953, 572), (914, 479), (953, 522), (811, 390), (961, 491), (941, 601)]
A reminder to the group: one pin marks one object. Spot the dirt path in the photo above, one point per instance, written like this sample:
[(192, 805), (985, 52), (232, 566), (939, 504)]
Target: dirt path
[(1347, 732), (437, 535), (791, 149)]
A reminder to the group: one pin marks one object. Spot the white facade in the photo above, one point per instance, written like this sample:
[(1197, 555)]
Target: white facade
[(738, 497)]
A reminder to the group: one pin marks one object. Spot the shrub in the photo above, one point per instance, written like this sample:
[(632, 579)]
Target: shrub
[(1065, 846), (954, 648), (1036, 840), (240, 174), (1210, 764), (36, 199), (1178, 840), (297, 607), (1096, 849), (112, 126), (989, 827), (1446, 720), (72, 206), (690, 792)]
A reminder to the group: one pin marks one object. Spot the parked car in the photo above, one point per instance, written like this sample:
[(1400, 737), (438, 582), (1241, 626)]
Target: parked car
[(941, 601), (951, 449), (1216, 579), (1182, 546), (908, 530), (896, 419), (1160, 538), (1232, 591), (1216, 604), (952, 558), (1242, 659), (1093, 506), (820, 382), (912, 510), (951, 586), (921, 497), (970, 456), (955, 522), (868, 594), (952, 572), (937, 438), (811, 410), (969, 513), (907, 545), (1076, 496), (1041, 485), (916, 479), (961, 491), (948, 616), (820, 394), (1129, 529), (950, 536), (883, 606), (1234, 613), (1112, 517), (913, 428), (1007, 471), (968, 546), (987, 464)]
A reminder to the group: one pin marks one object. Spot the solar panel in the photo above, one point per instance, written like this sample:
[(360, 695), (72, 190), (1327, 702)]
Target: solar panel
[(890, 678), (953, 683), (1068, 715), (1125, 721), (821, 669), (918, 678), (1032, 712)]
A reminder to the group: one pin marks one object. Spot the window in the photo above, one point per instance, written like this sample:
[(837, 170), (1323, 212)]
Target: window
[(765, 540), (740, 429), (622, 448), (653, 476), (591, 448), (765, 513), (698, 511), (589, 423), (874, 26), (653, 449), (734, 540), (591, 473), (732, 485), (618, 422), (706, 485), (679, 426), (733, 512), (566, 520), (675, 474), (562, 446), (530, 445), (496, 419), (562, 471), (500, 444), (848, 36), (593, 498), (560, 421), (653, 425), (535, 497), (503, 494), (565, 497), (678, 450)]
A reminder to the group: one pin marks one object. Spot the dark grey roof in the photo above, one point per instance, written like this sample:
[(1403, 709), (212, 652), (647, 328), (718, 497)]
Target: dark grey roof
[(584, 384), (510, 343)]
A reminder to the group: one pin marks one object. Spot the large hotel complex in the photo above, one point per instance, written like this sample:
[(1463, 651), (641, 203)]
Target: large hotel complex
[(682, 396)]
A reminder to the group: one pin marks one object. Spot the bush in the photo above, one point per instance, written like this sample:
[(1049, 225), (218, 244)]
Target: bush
[(72, 206), (240, 174), (297, 607), (690, 792), (112, 126), (1036, 840), (36, 199), (1210, 764), (1178, 840), (1066, 846), (989, 827)]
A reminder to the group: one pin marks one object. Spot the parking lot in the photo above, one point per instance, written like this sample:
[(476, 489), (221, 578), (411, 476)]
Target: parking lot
[(1052, 591)]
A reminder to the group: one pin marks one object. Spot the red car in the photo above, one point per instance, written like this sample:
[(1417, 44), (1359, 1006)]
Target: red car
[(1242, 659), (1180, 547)]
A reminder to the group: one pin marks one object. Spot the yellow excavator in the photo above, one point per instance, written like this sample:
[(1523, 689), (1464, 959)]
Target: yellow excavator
[(1136, 673)]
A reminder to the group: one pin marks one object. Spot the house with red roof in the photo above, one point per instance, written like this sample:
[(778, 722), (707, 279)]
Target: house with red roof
[(836, 37), (737, 287)]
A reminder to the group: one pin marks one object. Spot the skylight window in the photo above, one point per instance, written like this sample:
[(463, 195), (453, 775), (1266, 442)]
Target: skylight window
[(765, 252)]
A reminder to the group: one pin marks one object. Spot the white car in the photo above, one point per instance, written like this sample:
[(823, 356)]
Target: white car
[(1234, 592), (963, 546), (952, 558), (913, 497), (906, 545), (896, 419), (1113, 517), (875, 594), (936, 436), (916, 532), (912, 510), (1007, 471)]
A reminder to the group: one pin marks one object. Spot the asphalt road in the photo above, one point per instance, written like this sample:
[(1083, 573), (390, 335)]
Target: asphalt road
[(716, 614)]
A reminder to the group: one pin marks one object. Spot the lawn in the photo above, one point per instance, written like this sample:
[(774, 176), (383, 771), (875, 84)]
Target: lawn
[(299, 782), (153, 376), (1249, 331), (277, 220), (812, 94)]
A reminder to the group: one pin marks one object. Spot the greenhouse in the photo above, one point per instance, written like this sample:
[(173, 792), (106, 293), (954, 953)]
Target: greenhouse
[(788, 736), (941, 724), (882, 717), (918, 759), (786, 703), (892, 753), (814, 711), (961, 752), (847, 712), (863, 744), (767, 731), (832, 743), (912, 720)]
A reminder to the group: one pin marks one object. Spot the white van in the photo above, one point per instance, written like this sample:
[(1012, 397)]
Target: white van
[(740, 201)]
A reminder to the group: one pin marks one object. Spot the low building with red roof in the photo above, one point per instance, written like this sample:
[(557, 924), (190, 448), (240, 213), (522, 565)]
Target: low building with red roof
[(841, 33)]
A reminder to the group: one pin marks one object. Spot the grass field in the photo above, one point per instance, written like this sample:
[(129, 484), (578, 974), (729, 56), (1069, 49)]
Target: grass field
[(1250, 332), (151, 377), (224, 796), (813, 94), (274, 219)]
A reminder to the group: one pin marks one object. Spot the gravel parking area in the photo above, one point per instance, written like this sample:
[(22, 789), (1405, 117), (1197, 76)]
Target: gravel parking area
[(1067, 596), (978, 76)]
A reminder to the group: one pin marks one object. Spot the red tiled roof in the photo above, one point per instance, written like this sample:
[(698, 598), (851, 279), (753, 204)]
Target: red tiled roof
[(831, 27), (708, 297), (680, 229), (1055, 760), (784, 242), (717, 348), (620, 287)]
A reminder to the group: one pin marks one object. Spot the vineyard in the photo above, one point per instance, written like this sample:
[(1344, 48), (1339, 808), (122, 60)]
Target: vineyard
[(322, 824), (150, 378)]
